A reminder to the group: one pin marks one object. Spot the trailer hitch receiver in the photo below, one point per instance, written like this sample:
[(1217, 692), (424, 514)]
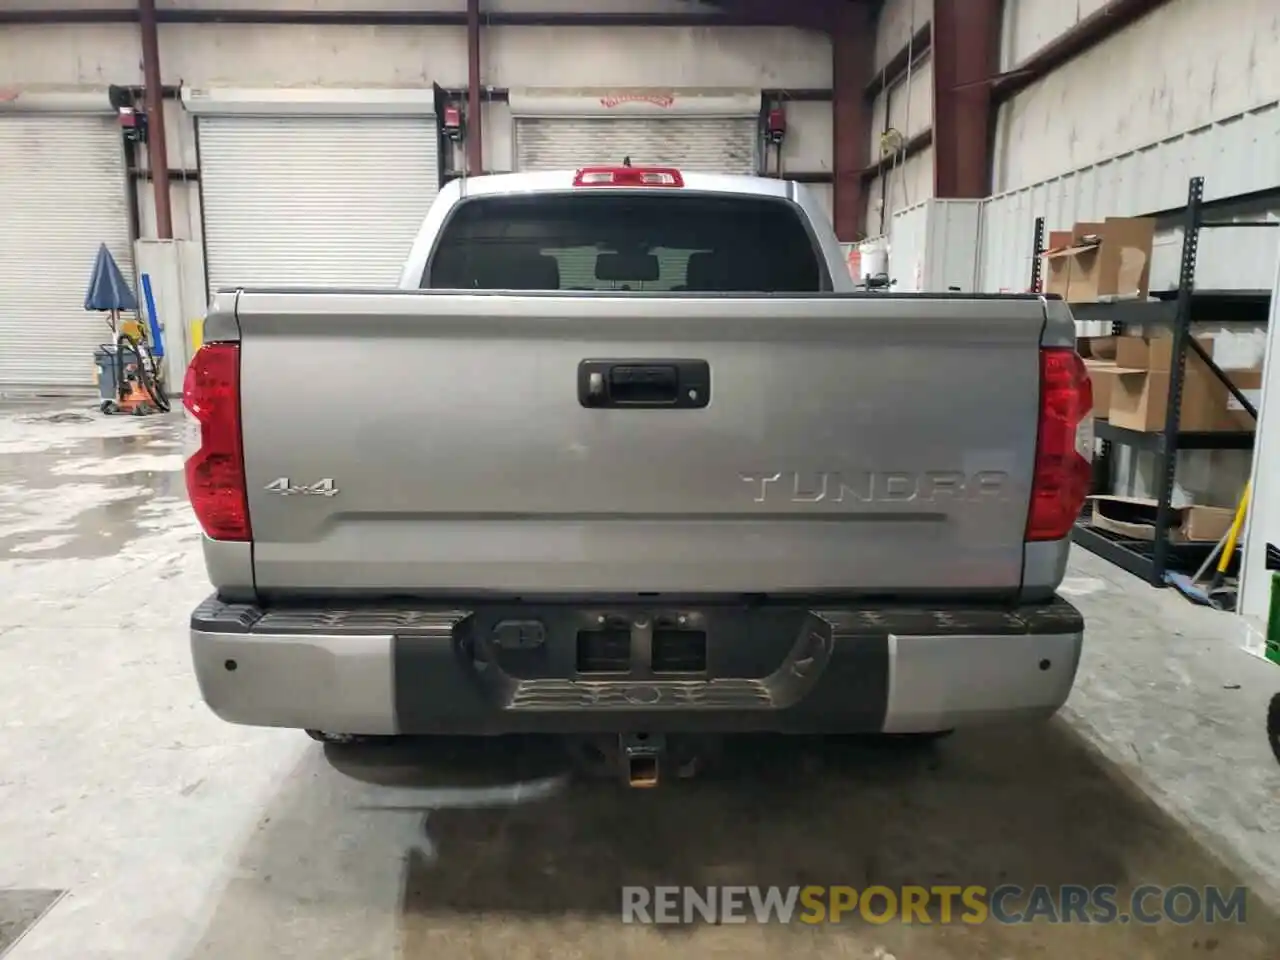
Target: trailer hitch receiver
[(642, 758)]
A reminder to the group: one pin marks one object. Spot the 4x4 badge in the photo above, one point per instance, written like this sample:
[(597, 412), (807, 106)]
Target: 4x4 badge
[(285, 487)]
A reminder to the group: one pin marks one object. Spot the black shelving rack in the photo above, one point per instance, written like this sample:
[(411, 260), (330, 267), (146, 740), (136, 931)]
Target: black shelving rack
[(1151, 559)]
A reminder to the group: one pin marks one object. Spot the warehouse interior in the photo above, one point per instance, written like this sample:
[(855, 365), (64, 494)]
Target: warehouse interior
[(1123, 155)]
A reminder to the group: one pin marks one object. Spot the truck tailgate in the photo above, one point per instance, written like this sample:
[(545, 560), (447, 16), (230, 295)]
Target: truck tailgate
[(437, 442)]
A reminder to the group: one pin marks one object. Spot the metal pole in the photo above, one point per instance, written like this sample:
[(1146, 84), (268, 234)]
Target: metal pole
[(153, 95), (475, 147), (1037, 265), (1168, 458)]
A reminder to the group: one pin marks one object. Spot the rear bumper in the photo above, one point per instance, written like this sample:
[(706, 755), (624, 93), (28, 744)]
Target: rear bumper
[(513, 669)]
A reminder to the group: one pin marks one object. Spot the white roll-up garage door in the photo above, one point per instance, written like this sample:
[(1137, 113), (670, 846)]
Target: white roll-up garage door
[(697, 132), (313, 199), (62, 194)]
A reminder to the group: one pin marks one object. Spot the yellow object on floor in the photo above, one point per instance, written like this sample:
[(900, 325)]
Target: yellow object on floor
[(1237, 525)]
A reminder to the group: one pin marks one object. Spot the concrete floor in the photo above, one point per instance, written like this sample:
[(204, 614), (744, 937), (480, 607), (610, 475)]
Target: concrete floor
[(137, 825)]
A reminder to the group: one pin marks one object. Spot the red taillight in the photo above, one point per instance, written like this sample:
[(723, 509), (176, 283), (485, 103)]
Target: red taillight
[(1064, 445), (628, 177), (215, 471)]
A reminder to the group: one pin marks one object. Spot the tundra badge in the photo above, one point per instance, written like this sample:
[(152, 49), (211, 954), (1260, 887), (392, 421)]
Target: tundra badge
[(286, 487)]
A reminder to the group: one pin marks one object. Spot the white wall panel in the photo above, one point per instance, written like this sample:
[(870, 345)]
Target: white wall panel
[(180, 137), (910, 106), (499, 129), (899, 20), (514, 56), (904, 186), (747, 57), (1031, 24), (809, 146), (69, 5), (1238, 155), (85, 55), (933, 246), (250, 55), (253, 55), (184, 202), (1186, 65), (1226, 259)]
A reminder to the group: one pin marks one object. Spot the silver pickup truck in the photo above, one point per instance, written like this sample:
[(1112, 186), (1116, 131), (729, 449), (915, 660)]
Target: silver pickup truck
[(628, 455)]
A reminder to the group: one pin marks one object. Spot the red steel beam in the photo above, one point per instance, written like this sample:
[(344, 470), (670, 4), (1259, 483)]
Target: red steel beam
[(474, 127), (153, 97), (1103, 23), (852, 54), (966, 51)]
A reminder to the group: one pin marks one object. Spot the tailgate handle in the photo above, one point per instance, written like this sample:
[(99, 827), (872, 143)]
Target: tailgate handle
[(669, 384), (644, 384)]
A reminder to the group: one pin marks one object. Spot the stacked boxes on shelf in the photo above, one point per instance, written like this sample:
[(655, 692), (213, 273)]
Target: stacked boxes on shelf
[(1142, 351), (1131, 386), (1130, 377), (1109, 261), (1095, 261)]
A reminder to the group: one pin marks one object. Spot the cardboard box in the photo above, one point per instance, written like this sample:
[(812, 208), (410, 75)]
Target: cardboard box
[(1057, 270), (1097, 260), (1140, 392), (1135, 401), (1097, 348), (1134, 353), (1205, 524), (1103, 375), (1134, 518), (1249, 382)]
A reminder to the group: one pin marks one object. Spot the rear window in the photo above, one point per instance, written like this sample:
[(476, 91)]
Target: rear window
[(661, 241)]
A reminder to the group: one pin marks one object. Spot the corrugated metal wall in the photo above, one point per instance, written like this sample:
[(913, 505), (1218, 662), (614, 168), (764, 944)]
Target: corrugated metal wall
[(1187, 91), (1237, 155), (1188, 64)]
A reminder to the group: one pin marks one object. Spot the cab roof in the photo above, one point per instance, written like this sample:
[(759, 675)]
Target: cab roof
[(562, 181)]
